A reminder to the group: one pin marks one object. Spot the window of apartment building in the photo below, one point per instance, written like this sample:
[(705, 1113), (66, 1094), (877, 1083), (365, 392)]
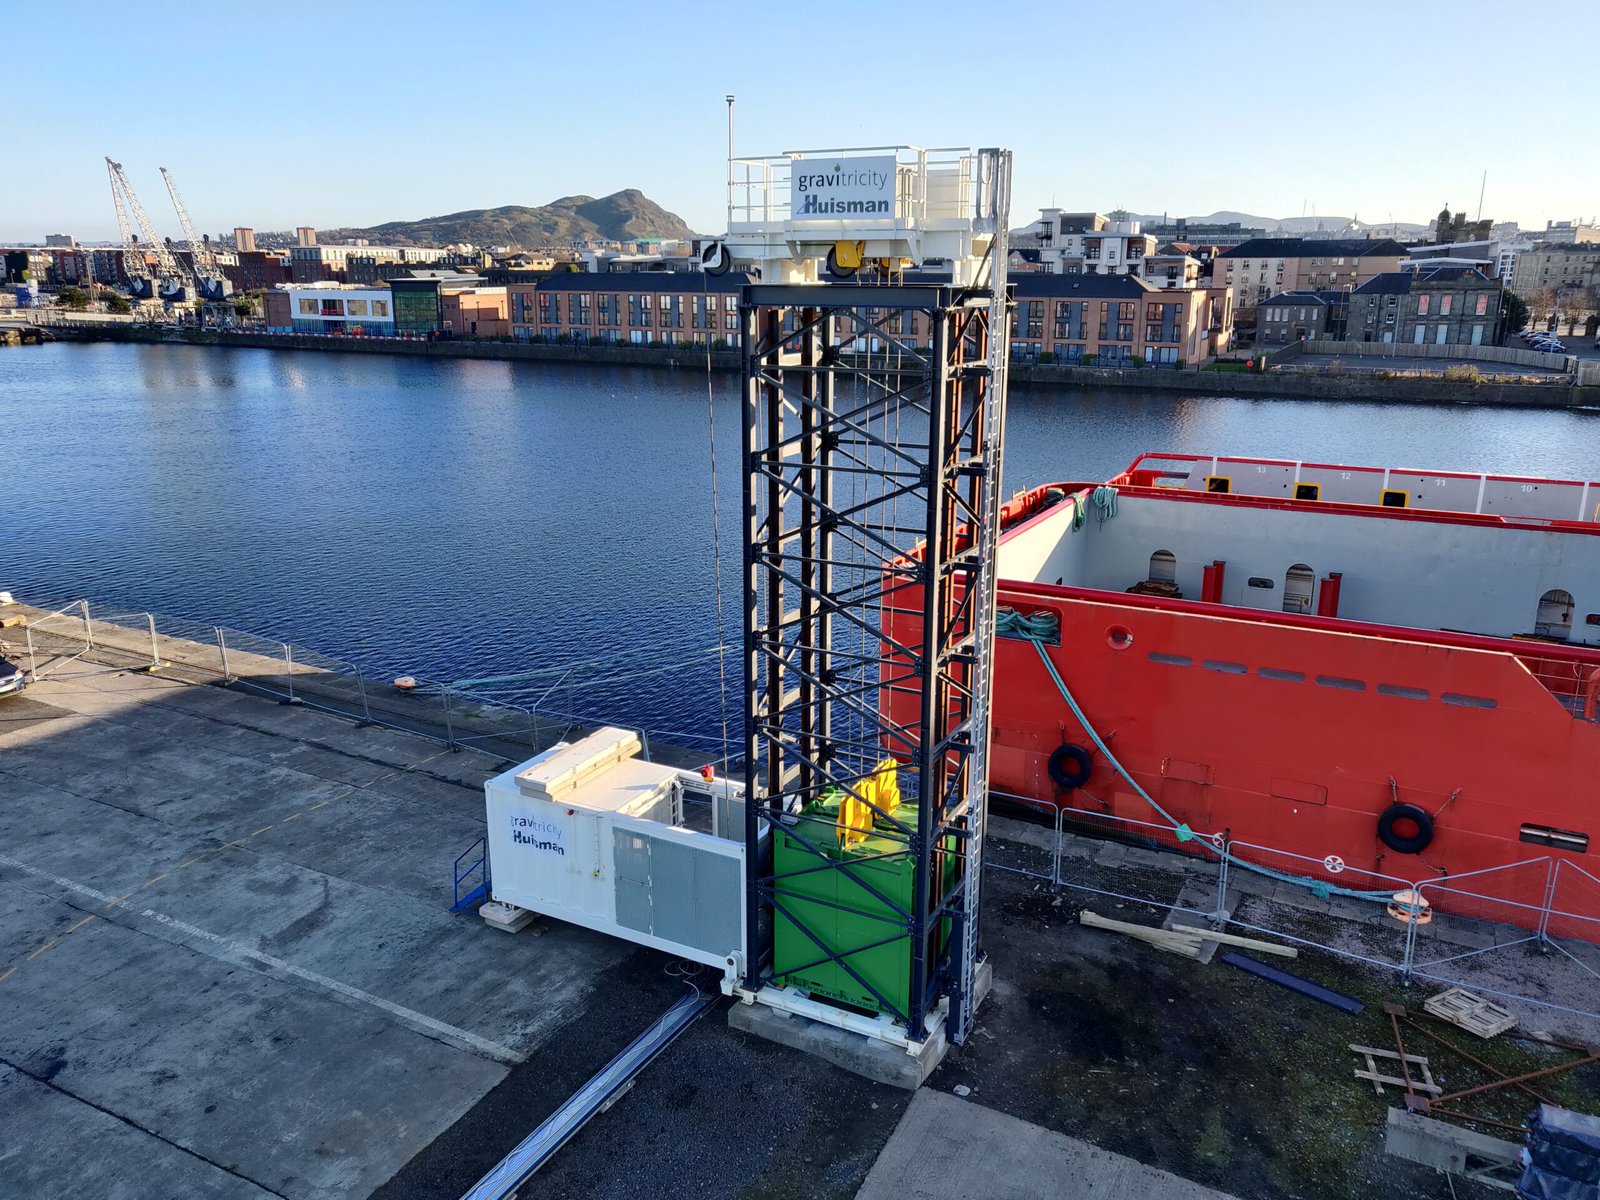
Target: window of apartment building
[(1152, 333), (672, 312), (907, 326), (1034, 319), (1093, 251), (1152, 312), (1481, 307), (547, 304), (1444, 305), (1071, 316), (701, 320), (1422, 304)]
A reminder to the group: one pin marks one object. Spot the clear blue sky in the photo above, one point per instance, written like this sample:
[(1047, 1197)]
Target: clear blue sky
[(352, 112)]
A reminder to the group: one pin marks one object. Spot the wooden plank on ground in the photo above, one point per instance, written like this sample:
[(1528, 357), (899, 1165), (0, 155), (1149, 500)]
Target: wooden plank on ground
[(1149, 933)]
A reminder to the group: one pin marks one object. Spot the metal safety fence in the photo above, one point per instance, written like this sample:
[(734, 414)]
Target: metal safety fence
[(294, 674), (1525, 931)]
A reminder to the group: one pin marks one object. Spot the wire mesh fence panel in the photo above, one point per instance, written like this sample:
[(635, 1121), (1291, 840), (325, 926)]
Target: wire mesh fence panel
[(1320, 902), (1143, 861), (1031, 844), (1572, 923), (1480, 912), (191, 645), (256, 661), (125, 639), (323, 681), (58, 638), (501, 728)]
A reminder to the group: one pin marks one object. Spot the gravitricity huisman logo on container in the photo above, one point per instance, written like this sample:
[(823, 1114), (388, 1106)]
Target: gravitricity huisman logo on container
[(850, 187)]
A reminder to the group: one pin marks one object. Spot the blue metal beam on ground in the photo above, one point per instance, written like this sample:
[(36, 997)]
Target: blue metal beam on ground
[(539, 1146), (1294, 983)]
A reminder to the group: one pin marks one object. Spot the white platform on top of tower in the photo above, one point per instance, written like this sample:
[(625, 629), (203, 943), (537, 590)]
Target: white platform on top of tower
[(814, 215)]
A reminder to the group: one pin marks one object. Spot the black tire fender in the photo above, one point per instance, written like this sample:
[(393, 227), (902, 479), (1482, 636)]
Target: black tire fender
[(1418, 841), (1070, 766)]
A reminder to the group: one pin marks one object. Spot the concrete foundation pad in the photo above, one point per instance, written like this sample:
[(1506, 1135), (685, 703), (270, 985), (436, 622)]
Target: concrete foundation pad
[(858, 1053), (882, 1062), (998, 1157), (508, 917)]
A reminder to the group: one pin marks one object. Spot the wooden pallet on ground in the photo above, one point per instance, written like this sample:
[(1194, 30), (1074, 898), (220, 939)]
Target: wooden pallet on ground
[(1472, 1013)]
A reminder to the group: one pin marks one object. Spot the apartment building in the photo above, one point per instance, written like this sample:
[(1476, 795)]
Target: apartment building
[(258, 270), (319, 264), (1556, 267), (1172, 270), (1263, 267), (1439, 306), (641, 309), (1117, 320), (1089, 243)]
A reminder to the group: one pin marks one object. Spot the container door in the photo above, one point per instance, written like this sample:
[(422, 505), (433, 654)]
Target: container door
[(632, 861)]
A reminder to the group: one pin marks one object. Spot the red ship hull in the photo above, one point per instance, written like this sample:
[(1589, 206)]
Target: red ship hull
[(1309, 743)]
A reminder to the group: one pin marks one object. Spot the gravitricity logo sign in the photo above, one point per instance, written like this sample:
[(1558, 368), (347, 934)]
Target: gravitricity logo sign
[(849, 187)]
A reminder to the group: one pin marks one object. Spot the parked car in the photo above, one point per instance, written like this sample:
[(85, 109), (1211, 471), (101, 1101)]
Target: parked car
[(12, 678)]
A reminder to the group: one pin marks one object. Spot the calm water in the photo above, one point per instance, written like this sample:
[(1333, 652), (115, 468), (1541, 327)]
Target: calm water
[(462, 519)]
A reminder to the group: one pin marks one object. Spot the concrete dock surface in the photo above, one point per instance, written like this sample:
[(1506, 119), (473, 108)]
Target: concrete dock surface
[(230, 958), (228, 969)]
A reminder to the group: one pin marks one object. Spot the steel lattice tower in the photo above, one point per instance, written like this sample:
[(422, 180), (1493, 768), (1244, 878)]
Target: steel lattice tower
[(871, 494)]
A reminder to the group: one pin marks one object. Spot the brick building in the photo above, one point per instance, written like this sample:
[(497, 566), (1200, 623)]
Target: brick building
[(1116, 319), (481, 312), (258, 270), (632, 308)]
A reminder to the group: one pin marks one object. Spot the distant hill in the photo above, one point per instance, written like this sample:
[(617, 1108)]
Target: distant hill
[(1288, 225), (621, 216)]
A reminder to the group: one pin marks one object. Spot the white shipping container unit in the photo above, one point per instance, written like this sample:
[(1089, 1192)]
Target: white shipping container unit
[(591, 833)]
